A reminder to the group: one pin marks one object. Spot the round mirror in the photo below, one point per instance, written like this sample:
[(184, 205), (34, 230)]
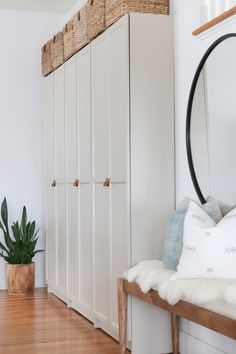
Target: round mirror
[(211, 123)]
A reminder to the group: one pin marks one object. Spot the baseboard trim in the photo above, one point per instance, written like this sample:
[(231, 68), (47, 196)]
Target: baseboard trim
[(193, 345)]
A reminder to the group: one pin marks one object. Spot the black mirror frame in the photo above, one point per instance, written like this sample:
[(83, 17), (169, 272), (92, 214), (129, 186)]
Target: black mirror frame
[(189, 113)]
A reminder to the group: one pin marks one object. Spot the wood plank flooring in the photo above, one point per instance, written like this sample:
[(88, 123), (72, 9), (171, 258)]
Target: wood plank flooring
[(42, 324)]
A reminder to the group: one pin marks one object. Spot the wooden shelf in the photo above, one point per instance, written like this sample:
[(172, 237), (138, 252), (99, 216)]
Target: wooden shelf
[(215, 21)]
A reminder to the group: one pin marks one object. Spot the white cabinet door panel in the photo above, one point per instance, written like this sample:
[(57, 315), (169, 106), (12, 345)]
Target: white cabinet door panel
[(84, 114), (72, 243), (72, 175), (85, 267), (119, 100), (60, 125), (51, 236), (61, 238), (111, 235), (101, 254), (60, 158), (119, 242), (71, 119), (152, 162), (119, 159), (100, 108), (49, 128), (85, 247)]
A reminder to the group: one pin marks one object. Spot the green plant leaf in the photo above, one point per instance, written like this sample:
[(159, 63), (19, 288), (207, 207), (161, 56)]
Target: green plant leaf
[(9, 243), (30, 231), (16, 231), (2, 227), (8, 259), (20, 251), (35, 252), (32, 245), (27, 259), (4, 214), (4, 248), (24, 222), (34, 236)]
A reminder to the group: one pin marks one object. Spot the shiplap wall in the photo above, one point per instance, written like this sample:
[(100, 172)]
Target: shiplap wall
[(212, 8)]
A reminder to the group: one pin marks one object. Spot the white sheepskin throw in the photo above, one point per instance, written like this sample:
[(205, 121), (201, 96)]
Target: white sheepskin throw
[(153, 275)]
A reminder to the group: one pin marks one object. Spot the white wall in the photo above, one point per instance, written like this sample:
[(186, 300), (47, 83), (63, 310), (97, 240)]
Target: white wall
[(21, 118), (188, 52)]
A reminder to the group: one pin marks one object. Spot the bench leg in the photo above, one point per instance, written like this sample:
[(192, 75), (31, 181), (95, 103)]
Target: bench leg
[(122, 314), (175, 333)]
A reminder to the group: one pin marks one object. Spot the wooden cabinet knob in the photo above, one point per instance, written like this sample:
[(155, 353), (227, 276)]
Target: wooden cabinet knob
[(54, 183), (76, 183), (107, 182)]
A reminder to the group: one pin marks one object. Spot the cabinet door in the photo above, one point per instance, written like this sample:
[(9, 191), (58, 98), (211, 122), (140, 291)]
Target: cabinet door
[(85, 187), (49, 128), (100, 125), (152, 162), (60, 182), (72, 175), (111, 215), (119, 160)]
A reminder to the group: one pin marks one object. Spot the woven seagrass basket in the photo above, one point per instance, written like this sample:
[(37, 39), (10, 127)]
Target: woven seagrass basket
[(95, 18), (46, 59), (57, 51), (68, 38), (117, 8), (80, 29)]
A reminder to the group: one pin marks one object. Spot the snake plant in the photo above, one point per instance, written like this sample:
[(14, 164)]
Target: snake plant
[(20, 247)]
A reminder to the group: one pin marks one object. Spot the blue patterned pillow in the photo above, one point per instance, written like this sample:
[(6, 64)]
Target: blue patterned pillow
[(225, 208), (174, 232)]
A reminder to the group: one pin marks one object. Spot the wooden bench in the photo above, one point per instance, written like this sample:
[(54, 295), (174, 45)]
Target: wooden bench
[(196, 314)]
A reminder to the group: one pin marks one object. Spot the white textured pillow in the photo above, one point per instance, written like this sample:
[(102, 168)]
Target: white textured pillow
[(209, 249)]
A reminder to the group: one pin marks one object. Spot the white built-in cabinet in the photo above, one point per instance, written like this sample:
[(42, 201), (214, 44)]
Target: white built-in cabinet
[(109, 131)]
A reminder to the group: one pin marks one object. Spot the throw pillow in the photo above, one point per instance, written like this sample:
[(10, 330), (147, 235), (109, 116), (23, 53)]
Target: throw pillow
[(174, 232), (209, 249)]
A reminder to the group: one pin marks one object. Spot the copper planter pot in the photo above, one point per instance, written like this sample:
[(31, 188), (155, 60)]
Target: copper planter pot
[(20, 279)]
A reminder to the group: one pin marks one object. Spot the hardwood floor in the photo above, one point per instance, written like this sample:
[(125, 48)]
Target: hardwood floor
[(42, 324)]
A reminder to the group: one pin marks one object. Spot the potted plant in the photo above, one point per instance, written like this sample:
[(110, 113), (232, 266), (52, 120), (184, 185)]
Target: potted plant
[(18, 251)]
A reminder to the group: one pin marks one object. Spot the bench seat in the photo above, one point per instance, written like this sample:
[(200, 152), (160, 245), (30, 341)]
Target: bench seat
[(216, 315)]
